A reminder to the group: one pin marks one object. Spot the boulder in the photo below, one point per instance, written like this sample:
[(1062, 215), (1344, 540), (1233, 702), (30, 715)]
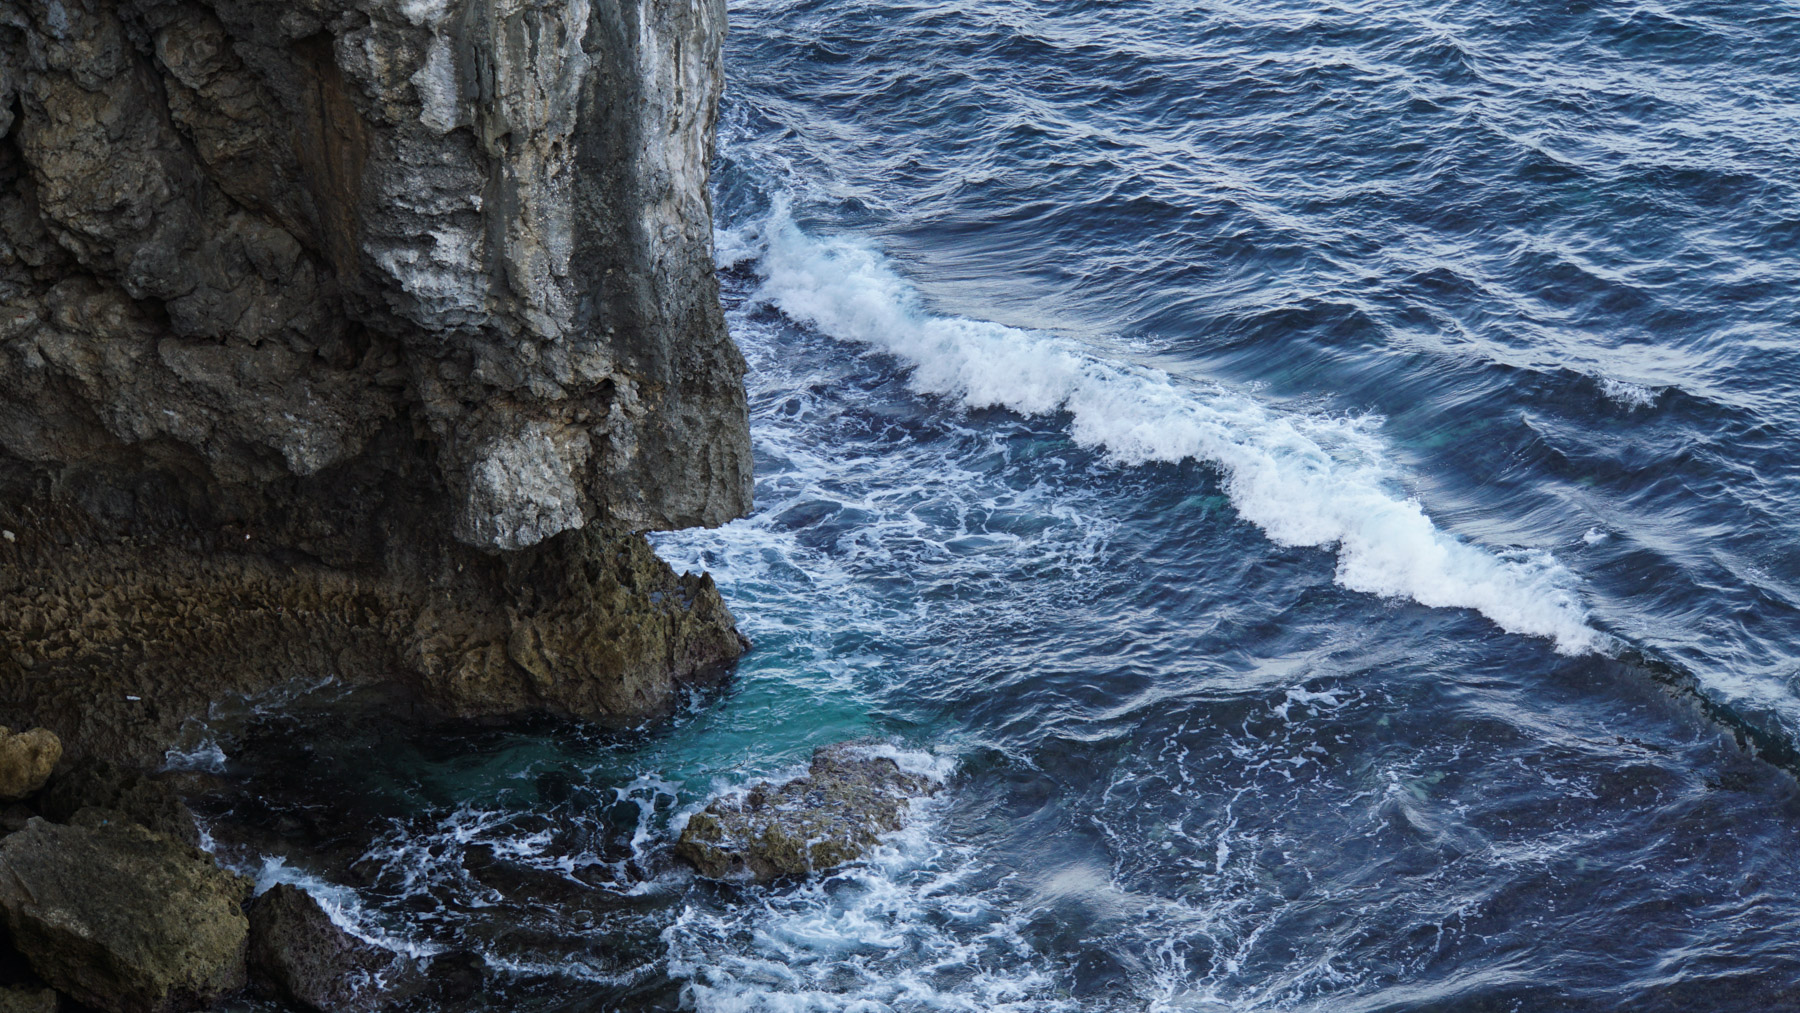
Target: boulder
[(130, 795), (122, 919), (298, 953), (816, 823), (27, 1000), (26, 760)]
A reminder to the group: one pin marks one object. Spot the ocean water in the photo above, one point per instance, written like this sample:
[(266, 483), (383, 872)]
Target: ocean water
[(1318, 479)]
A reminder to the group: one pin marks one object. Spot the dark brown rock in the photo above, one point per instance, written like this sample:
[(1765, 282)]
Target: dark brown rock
[(591, 625), (122, 919), (299, 954), (816, 823)]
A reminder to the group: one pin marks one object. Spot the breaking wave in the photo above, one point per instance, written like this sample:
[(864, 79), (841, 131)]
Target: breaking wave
[(1304, 480)]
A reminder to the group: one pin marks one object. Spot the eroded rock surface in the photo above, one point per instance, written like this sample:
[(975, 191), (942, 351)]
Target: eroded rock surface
[(343, 337), (813, 824), (123, 919)]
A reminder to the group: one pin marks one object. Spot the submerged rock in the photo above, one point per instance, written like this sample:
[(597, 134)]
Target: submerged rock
[(298, 953), (816, 823), (123, 919), (26, 760)]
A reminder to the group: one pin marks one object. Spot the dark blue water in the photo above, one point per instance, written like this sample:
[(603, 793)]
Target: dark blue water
[(1320, 480)]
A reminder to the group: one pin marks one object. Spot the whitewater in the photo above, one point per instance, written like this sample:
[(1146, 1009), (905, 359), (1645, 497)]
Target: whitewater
[(1303, 480)]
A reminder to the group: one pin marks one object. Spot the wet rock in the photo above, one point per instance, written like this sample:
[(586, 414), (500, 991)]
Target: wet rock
[(130, 795), (26, 760), (27, 1000), (455, 978), (816, 823), (299, 954), (122, 919)]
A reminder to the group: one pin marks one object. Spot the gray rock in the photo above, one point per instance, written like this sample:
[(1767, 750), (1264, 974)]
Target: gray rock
[(26, 760), (813, 824), (123, 919), (301, 955)]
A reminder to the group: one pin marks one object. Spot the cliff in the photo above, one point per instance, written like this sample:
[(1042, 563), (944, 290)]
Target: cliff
[(357, 338)]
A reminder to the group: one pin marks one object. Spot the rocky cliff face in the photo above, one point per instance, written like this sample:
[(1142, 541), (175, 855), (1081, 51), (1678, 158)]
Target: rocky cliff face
[(358, 331)]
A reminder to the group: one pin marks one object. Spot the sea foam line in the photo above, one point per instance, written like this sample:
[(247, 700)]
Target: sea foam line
[(1304, 480)]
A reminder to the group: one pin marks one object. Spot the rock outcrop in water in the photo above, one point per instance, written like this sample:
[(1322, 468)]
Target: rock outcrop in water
[(812, 824), (357, 337)]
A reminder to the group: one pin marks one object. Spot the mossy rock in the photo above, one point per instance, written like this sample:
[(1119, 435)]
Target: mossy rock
[(28, 1000)]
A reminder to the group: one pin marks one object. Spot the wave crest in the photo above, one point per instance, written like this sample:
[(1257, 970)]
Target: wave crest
[(1304, 480)]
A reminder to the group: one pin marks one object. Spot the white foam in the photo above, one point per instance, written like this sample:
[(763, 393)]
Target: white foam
[(200, 751), (1304, 480), (936, 765), (907, 929), (1631, 395), (341, 904)]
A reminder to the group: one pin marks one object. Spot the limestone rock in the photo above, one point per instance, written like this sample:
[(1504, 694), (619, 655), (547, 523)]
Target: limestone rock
[(26, 760), (589, 625), (301, 955), (816, 823), (122, 919)]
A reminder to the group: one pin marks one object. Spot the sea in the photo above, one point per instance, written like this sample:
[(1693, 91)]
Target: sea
[(1318, 481)]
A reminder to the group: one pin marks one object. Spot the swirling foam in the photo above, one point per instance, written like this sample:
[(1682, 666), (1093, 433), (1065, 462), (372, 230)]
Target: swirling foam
[(1304, 480)]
